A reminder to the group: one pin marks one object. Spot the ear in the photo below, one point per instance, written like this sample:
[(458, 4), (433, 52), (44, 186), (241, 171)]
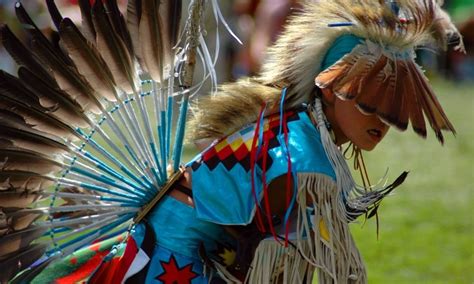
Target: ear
[(328, 96)]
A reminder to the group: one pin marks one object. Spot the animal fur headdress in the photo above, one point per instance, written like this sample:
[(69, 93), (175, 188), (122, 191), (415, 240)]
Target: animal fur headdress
[(380, 73)]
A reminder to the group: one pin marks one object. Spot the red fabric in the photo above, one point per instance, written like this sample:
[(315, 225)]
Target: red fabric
[(84, 271), (114, 270), (126, 260)]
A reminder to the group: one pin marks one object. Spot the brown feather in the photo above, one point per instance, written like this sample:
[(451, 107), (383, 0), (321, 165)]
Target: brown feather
[(88, 61), (21, 55), (68, 80), (18, 241), (414, 105), (170, 18), (330, 76), (389, 105), (113, 50), (118, 23), (15, 159), (17, 219), (87, 26), (371, 87), (35, 120), (402, 111), (16, 133), (54, 12), (150, 32), (354, 76), (66, 109), (37, 36), (20, 260), (430, 105), (17, 199), (134, 11)]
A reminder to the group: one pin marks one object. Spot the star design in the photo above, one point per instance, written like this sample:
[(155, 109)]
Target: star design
[(173, 274)]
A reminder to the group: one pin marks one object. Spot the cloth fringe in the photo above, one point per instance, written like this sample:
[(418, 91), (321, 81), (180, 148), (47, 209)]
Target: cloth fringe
[(323, 241), (274, 263), (330, 248)]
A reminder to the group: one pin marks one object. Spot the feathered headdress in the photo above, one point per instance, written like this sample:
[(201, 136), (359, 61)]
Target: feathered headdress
[(380, 72)]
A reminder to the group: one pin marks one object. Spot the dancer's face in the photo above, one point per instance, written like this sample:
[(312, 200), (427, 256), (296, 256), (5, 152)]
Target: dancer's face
[(349, 124)]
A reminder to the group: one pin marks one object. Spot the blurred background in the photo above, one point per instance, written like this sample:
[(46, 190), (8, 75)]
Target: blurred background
[(426, 227)]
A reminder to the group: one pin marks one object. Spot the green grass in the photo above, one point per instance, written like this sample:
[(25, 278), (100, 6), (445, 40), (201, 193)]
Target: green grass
[(426, 227)]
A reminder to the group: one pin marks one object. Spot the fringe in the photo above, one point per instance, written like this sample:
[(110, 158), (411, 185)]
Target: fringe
[(330, 248), (274, 263), (323, 241)]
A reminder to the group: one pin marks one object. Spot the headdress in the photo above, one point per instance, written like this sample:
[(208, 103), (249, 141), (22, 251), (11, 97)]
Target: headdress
[(379, 72)]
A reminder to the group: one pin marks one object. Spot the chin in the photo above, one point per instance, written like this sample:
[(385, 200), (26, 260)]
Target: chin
[(366, 146)]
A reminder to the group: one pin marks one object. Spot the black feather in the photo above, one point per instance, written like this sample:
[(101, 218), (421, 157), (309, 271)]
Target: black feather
[(21, 54), (87, 25), (54, 12)]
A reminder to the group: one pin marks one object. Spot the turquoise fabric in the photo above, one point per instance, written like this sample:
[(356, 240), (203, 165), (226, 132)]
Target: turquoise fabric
[(224, 196), (340, 47)]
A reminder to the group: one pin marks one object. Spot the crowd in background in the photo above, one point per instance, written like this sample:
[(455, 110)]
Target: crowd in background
[(257, 23)]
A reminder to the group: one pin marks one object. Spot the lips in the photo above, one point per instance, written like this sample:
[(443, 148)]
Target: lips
[(375, 134)]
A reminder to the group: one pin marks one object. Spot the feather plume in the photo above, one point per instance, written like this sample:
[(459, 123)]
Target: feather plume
[(113, 50), (134, 11), (88, 61), (150, 31), (330, 76), (237, 104), (430, 105), (22, 110), (294, 61), (54, 13), (20, 53), (87, 26), (37, 35), (401, 113), (17, 261), (58, 65), (15, 159), (118, 23), (17, 219), (369, 94), (67, 110), (170, 18), (388, 105), (15, 130), (24, 195)]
